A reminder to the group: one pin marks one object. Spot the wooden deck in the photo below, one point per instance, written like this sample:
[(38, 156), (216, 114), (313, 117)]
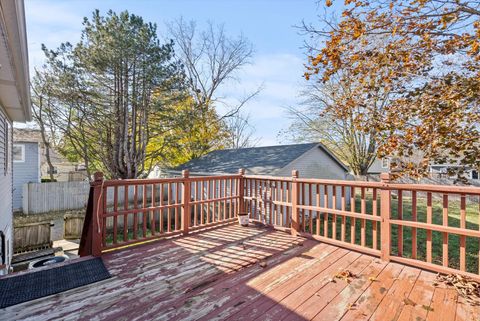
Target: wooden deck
[(235, 273)]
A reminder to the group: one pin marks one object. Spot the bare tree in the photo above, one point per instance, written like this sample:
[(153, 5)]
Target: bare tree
[(42, 104), (211, 59), (319, 119), (240, 132)]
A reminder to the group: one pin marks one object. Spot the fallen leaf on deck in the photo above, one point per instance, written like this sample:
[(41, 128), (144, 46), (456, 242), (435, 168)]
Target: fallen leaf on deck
[(465, 286), (345, 275), (407, 301), (372, 278), (426, 307), (263, 264)]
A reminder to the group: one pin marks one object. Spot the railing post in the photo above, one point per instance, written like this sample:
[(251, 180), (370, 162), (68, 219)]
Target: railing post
[(186, 202), (97, 221), (385, 201), (241, 191), (295, 229)]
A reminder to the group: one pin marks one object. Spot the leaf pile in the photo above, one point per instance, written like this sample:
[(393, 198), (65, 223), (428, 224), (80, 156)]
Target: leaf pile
[(465, 286), (345, 275)]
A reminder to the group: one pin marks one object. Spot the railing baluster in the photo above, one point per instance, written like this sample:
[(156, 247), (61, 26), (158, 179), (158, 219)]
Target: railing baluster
[(318, 205), (445, 234), (429, 232), (414, 229), (288, 200), (162, 189), (334, 205), (125, 216), (353, 220), (374, 223), (325, 215), (144, 205), (310, 212), (169, 211), (363, 210), (115, 210), (195, 207), (302, 212), (186, 190), (271, 200), (177, 214), (463, 238), (400, 228), (152, 212), (343, 206), (135, 215)]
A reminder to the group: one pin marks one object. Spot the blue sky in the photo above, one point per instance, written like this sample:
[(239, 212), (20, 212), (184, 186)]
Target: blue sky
[(268, 24)]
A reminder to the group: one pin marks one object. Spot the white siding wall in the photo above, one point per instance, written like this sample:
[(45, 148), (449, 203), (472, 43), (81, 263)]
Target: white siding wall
[(26, 171), (315, 164), (6, 211)]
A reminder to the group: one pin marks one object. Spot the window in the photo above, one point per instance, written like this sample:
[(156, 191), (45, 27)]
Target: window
[(475, 174), (18, 152), (385, 162)]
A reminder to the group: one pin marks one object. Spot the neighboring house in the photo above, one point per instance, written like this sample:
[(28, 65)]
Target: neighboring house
[(442, 171), (312, 160), (26, 166), (63, 170), (379, 165), (382, 165), (14, 106)]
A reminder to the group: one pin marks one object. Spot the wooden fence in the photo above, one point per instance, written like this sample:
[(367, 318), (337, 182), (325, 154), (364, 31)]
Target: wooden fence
[(55, 196), (63, 196), (430, 226), (29, 237)]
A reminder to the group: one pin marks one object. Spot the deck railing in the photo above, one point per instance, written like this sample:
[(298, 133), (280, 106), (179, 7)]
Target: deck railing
[(156, 208), (430, 226)]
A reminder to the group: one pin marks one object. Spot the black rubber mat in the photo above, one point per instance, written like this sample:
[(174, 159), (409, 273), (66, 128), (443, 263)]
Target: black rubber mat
[(34, 285)]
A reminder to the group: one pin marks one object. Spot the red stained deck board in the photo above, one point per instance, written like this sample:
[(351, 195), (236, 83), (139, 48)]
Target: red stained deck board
[(344, 300), (255, 288), (368, 302), (214, 275), (392, 304), (318, 292), (420, 298), (443, 302), (341, 258)]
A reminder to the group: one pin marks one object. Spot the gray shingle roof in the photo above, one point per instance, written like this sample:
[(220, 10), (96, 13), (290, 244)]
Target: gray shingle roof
[(255, 160)]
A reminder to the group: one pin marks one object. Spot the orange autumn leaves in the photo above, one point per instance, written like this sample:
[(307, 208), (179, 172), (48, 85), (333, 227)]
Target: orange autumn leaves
[(426, 53)]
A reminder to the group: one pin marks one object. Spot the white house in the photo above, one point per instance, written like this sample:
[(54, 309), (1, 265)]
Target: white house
[(312, 160), (14, 106)]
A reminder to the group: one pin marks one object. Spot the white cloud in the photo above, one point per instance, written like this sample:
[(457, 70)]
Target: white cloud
[(280, 76)]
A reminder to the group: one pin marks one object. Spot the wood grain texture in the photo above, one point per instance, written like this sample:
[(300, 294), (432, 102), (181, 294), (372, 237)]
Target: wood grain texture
[(216, 274)]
